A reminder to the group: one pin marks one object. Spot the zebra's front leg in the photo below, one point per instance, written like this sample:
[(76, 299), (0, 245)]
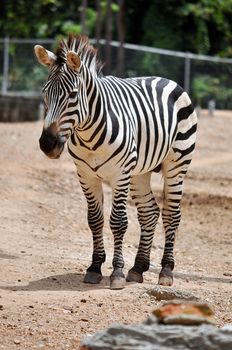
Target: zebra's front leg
[(148, 214), (118, 225), (92, 188)]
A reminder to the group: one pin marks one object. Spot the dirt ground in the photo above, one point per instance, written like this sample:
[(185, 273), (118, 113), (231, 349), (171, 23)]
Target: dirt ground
[(46, 244)]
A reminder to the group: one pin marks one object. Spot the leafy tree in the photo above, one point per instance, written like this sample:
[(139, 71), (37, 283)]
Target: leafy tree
[(200, 26), (43, 18), (212, 24)]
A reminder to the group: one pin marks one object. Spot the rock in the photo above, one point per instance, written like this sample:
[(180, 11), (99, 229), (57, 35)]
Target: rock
[(160, 337), (170, 293), (157, 334), (186, 314)]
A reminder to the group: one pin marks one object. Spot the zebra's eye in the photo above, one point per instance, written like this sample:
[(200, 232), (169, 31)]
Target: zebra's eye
[(73, 94)]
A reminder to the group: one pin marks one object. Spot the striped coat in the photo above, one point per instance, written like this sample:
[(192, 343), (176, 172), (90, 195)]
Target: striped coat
[(119, 130)]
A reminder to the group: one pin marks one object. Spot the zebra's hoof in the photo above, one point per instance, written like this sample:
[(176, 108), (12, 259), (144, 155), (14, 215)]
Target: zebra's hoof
[(134, 276), (92, 277), (165, 280), (117, 282)]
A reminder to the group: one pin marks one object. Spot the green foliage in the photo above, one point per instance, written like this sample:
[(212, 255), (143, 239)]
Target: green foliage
[(47, 18), (71, 27), (41, 18), (159, 28), (210, 17), (198, 26), (25, 77), (202, 26), (205, 88)]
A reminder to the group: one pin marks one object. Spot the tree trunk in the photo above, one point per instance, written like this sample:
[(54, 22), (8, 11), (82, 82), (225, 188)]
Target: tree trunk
[(121, 38), (108, 52), (98, 22), (84, 5)]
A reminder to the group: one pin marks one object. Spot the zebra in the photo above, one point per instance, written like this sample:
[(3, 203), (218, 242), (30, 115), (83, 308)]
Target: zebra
[(120, 131)]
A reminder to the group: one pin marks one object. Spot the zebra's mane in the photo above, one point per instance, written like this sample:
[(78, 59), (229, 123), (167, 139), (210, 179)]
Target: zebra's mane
[(81, 45)]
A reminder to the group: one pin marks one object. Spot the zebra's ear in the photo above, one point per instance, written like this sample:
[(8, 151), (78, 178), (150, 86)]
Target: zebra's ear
[(45, 57), (73, 60)]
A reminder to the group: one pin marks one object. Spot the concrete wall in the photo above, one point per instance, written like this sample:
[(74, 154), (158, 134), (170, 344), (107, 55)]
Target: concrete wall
[(20, 108)]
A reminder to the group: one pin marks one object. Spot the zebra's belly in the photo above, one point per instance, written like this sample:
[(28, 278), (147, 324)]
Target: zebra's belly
[(101, 165), (147, 164)]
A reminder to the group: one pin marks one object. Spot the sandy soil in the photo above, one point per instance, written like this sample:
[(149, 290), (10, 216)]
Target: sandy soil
[(46, 244)]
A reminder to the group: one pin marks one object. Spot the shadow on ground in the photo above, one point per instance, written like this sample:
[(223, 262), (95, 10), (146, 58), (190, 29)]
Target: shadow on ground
[(4, 255), (71, 282), (194, 277)]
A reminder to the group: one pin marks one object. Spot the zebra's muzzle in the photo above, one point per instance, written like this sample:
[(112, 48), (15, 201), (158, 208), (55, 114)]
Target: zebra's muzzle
[(51, 144)]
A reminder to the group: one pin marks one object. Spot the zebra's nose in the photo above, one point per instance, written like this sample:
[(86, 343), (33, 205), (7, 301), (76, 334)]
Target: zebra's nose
[(48, 141)]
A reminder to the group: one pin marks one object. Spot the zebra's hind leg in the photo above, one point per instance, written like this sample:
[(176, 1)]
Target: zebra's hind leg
[(148, 214), (174, 172), (92, 188)]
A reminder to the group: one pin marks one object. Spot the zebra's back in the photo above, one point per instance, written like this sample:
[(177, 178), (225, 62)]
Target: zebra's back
[(159, 110)]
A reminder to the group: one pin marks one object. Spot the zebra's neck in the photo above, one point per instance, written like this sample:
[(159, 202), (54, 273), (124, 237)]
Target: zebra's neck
[(94, 120)]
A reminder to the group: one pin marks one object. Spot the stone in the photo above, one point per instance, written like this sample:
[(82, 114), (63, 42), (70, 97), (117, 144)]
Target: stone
[(187, 313), (171, 326), (157, 336), (170, 293)]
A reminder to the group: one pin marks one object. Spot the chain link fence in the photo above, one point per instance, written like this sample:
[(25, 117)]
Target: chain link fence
[(205, 78)]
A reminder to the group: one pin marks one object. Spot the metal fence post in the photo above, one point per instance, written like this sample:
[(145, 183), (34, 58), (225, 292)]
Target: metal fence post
[(187, 69), (5, 66)]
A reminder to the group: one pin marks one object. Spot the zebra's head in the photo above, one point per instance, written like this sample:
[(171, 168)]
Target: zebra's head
[(65, 99)]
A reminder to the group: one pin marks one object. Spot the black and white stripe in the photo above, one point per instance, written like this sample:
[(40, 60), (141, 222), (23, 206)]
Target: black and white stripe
[(122, 130)]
